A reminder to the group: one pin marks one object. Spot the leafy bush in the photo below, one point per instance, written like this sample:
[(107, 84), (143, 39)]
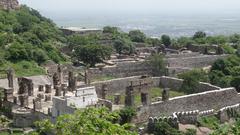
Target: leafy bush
[(126, 115), (159, 65), (137, 36), (191, 80)]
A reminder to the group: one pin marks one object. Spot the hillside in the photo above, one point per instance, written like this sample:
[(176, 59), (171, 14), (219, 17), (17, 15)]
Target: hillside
[(27, 39)]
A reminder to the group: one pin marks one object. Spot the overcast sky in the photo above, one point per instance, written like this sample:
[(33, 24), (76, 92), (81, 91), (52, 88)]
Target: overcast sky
[(168, 6)]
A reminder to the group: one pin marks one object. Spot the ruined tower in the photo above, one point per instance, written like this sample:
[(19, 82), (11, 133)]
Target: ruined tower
[(9, 4)]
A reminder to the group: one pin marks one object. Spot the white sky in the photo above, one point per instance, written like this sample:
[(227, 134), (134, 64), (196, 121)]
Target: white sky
[(166, 6)]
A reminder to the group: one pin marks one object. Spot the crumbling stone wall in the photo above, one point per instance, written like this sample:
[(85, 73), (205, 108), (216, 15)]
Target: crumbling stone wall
[(194, 62), (175, 84), (123, 69), (119, 85)]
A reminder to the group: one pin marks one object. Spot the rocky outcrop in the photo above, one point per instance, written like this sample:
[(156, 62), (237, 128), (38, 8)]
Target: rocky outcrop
[(9, 4)]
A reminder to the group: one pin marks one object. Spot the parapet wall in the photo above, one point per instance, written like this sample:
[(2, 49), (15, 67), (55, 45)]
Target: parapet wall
[(194, 62), (216, 100)]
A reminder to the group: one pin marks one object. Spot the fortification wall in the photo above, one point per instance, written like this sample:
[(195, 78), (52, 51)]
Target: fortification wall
[(202, 101), (175, 84), (123, 69), (194, 62), (119, 85), (176, 65)]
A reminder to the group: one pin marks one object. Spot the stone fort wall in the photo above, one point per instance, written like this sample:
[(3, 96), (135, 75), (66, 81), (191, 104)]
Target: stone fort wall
[(176, 64), (119, 85), (194, 62), (123, 69), (202, 101)]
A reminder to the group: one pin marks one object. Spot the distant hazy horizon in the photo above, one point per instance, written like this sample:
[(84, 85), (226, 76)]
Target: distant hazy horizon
[(154, 17)]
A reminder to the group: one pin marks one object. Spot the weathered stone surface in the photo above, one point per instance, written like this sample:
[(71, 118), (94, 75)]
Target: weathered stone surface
[(129, 99), (9, 4), (165, 94), (10, 77), (117, 99), (145, 99), (72, 81), (202, 101)]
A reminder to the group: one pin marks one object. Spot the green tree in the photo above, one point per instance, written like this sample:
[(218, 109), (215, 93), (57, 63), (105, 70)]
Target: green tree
[(90, 121), (122, 45), (111, 30), (92, 54), (236, 83), (126, 115), (199, 34), (166, 40), (191, 80), (159, 65), (137, 36)]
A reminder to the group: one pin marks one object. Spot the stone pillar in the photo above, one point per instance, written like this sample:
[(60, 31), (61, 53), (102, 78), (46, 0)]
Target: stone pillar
[(56, 80), (72, 81), (86, 79), (40, 88), (117, 99), (23, 99), (60, 74), (37, 104), (30, 88), (165, 94), (48, 98), (145, 99), (205, 50), (23, 88), (48, 88), (129, 99), (10, 76), (8, 94), (104, 91), (64, 89), (58, 91)]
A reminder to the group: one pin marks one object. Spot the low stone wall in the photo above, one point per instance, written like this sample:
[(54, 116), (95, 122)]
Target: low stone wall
[(216, 99), (182, 55), (174, 71), (175, 84), (194, 62), (123, 69)]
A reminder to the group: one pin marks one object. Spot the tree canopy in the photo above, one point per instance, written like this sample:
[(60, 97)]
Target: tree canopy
[(90, 121), (166, 40), (92, 54)]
